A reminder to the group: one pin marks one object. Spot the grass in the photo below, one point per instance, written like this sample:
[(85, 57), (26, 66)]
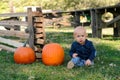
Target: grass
[(106, 65)]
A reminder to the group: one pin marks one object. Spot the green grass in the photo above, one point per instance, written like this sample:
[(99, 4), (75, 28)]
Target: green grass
[(107, 62)]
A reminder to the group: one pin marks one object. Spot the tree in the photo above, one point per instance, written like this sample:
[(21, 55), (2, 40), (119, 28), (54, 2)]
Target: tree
[(56, 4)]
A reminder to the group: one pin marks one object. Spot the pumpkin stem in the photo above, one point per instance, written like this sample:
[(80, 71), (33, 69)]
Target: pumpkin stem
[(24, 45)]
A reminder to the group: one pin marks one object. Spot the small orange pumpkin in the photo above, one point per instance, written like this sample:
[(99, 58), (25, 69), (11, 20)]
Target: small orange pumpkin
[(24, 55), (52, 54)]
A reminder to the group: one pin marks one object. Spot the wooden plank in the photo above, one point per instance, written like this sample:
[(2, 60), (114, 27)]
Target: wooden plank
[(7, 48), (37, 13), (39, 19), (38, 25), (39, 35), (11, 42), (77, 19), (114, 20), (38, 55), (31, 30), (13, 14), (13, 22), (93, 23), (10, 26), (39, 30), (116, 30), (40, 41), (98, 24), (14, 33)]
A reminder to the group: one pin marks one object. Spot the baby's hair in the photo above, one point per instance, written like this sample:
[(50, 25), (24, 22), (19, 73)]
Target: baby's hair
[(78, 29)]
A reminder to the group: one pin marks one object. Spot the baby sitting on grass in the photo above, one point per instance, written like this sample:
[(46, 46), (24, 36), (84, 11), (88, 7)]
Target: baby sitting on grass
[(82, 50)]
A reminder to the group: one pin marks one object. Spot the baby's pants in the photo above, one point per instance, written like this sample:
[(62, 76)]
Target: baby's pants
[(79, 62)]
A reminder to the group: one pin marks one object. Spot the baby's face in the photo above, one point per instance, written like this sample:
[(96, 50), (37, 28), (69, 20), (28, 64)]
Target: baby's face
[(80, 37)]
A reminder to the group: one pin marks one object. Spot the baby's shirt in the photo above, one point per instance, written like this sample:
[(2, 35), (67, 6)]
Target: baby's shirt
[(86, 51)]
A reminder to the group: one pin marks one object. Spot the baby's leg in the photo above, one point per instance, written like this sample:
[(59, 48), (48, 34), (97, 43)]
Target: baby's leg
[(78, 61)]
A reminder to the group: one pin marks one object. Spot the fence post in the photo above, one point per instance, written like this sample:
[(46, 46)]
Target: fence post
[(93, 23), (30, 28)]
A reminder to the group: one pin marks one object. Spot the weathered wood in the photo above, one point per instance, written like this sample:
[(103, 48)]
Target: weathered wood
[(34, 23), (39, 35), (40, 41), (113, 21), (93, 23), (38, 19), (14, 33), (116, 30), (13, 22), (31, 28), (38, 25), (98, 24), (7, 48), (39, 30), (44, 37), (11, 42), (37, 13), (13, 14), (9, 26), (76, 19), (38, 55)]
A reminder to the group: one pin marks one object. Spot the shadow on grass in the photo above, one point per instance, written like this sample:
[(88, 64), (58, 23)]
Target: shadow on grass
[(106, 37), (110, 37)]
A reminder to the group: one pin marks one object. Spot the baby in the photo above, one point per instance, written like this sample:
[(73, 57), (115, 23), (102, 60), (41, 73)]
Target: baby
[(82, 50)]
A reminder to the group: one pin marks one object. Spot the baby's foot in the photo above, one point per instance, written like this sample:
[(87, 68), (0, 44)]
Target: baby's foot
[(70, 65)]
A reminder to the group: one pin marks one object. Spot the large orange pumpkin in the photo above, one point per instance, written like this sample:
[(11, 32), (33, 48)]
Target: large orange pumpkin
[(24, 55), (52, 54)]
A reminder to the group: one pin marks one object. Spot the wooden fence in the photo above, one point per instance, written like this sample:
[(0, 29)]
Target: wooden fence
[(34, 33), (94, 15)]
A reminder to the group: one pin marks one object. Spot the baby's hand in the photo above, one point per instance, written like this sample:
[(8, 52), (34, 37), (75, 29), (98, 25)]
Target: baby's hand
[(87, 62), (74, 55)]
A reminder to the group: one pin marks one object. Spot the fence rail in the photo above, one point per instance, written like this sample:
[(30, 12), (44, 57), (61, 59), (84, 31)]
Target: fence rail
[(13, 14), (35, 30)]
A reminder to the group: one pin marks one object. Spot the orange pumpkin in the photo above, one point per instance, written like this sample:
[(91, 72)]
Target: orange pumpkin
[(24, 55), (52, 54)]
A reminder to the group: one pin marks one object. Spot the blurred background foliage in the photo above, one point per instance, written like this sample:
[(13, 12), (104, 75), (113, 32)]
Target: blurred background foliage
[(65, 5)]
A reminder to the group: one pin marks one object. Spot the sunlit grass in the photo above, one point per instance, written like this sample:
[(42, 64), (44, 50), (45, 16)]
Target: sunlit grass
[(106, 65)]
